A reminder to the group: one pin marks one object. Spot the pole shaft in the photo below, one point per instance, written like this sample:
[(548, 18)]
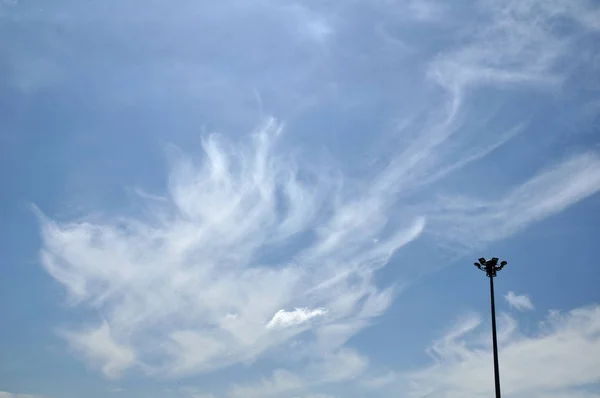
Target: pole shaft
[(494, 339)]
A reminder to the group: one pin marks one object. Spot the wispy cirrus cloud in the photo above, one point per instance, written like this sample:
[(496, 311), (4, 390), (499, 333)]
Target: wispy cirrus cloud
[(520, 302), (252, 248), (547, 363), (100, 348), (194, 276), (519, 43), (205, 253), (547, 193)]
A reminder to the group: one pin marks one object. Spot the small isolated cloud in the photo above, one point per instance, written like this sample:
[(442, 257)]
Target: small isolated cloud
[(519, 302), (298, 316)]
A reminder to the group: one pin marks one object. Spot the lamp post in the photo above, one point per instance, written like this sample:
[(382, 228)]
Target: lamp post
[(491, 267)]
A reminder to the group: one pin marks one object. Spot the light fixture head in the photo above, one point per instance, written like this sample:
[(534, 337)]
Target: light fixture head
[(481, 261), (477, 265), (503, 263)]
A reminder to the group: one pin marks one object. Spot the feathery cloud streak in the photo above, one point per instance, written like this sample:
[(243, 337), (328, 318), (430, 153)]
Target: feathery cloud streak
[(193, 278), (247, 231), (550, 363)]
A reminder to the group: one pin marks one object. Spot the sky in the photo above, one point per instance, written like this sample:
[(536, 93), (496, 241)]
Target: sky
[(285, 198)]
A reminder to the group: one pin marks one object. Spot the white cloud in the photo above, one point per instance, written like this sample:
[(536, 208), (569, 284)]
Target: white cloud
[(342, 366), (296, 317), (311, 25), (508, 44), (4, 394), (426, 10), (189, 283), (316, 396), (466, 220), (98, 346), (192, 284), (281, 381), (519, 302), (547, 364), (519, 42), (380, 381), (191, 392)]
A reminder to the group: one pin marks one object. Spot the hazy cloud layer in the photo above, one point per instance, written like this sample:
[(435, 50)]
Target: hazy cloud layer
[(344, 366), (4, 394)]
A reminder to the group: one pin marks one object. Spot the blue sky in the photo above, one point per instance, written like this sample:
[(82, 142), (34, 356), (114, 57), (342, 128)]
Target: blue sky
[(284, 199)]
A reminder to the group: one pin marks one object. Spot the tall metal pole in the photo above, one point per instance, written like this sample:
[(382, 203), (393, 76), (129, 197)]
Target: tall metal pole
[(494, 339), (491, 268)]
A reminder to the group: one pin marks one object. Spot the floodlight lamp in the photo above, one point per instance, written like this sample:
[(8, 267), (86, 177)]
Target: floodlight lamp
[(503, 263), (482, 261), (494, 260), (477, 265)]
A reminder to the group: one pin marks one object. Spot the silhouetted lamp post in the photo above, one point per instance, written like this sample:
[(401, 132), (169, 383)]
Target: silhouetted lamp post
[(491, 267)]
